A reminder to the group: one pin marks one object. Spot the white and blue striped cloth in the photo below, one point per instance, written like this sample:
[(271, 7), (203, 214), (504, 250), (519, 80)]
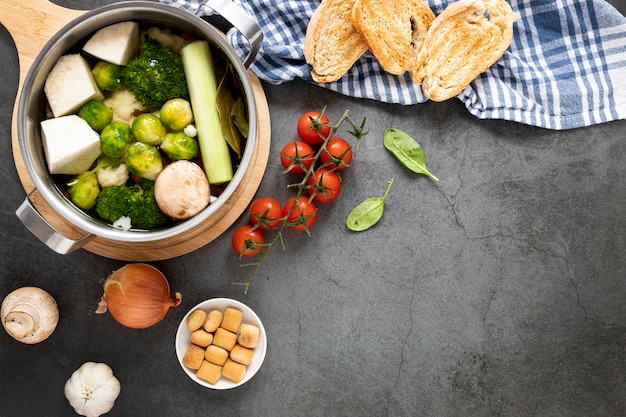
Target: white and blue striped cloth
[(566, 66)]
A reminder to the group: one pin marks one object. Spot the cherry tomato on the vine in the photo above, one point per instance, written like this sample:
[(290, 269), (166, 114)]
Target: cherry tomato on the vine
[(267, 211), (337, 154), (324, 185), (296, 156), (247, 242), (307, 127), (303, 214)]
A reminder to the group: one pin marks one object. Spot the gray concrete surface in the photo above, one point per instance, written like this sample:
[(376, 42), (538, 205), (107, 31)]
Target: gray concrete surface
[(498, 291)]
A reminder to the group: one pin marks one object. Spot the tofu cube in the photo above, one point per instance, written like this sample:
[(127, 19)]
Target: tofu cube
[(70, 144), (116, 43), (70, 84)]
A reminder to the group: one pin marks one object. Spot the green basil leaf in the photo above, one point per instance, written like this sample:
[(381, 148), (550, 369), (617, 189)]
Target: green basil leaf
[(368, 212), (407, 151)]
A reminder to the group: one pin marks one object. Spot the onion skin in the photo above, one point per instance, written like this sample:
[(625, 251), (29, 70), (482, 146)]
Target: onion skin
[(138, 295)]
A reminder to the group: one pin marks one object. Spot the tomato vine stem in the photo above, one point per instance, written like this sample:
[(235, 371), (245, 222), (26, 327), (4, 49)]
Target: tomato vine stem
[(358, 132)]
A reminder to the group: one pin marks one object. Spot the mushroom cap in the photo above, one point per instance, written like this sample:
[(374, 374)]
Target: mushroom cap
[(182, 190), (29, 314)]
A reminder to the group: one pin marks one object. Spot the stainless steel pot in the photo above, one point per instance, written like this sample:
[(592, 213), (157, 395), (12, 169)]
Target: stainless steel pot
[(31, 112)]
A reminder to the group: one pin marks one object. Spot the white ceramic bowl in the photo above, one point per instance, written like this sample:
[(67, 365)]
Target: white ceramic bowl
[(183, 339)]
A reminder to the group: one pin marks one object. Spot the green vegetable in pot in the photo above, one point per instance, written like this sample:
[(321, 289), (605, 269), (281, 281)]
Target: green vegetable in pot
[(225, 104), (97, 114), (407, 151), (179, 146), (115, 139), (136, 202), (176, 114), (144, 160), (108, 76), (85, 190), (200, 73), (156, 75), (148, 128)]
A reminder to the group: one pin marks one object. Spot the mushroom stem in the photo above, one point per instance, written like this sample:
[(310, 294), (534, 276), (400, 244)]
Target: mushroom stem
[(21, 321)]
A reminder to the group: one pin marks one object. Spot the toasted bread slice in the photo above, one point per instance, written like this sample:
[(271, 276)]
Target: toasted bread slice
[(394, 30), (467, 38), (332, 44)]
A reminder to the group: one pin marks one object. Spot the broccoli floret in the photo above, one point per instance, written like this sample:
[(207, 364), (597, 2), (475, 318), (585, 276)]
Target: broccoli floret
[(156, 75), (135, 201)]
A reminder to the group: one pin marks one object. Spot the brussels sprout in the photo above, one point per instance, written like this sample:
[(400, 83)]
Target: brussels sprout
[(108, 76), (144, 160), (85, 190), (96, 114), (147, 128), (179, 146), (115, 139), (176, 114)]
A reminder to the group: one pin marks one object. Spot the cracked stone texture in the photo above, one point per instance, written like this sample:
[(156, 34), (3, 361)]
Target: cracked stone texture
[(497, 291)]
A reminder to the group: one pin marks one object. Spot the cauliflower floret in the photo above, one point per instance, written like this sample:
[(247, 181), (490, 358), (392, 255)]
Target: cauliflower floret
[(123, 223), (125, 105), (113, 175), (191, 131), (167, 38)]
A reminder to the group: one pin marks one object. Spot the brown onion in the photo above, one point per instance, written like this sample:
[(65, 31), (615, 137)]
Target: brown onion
[(138, 296)]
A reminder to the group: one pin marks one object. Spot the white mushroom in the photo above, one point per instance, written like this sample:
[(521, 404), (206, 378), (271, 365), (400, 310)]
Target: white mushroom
[(182, 190), (29, 314)]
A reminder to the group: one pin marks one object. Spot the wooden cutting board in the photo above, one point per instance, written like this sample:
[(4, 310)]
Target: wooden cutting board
[(32, 24)]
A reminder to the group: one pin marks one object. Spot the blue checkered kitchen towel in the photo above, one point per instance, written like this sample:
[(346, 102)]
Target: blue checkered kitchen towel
[(566, 66)]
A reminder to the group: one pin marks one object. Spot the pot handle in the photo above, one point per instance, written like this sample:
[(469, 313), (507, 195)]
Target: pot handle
[(241, 21), (44, 231)]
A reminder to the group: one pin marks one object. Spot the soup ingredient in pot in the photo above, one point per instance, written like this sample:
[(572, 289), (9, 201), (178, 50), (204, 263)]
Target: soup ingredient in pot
[(108, 76), (407, 151), (70, 145), (97, 114), (85, 190), (368, 212), (182, 190), (144, 160), (148, 128), (116, 43), (156, 75), (29, 314), (137, 296), (200, 74), (115, 139), (179, 146), (125, 105), (92, 389), (70, 84), (167, 37), (176, 114), (112, 175), (135, 202)]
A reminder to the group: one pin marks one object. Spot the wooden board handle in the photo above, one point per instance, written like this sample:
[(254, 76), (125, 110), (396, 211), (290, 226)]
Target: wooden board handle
[(31, 24)]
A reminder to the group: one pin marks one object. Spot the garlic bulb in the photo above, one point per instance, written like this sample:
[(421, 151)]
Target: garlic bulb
[(92, 389), (29, 314)]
